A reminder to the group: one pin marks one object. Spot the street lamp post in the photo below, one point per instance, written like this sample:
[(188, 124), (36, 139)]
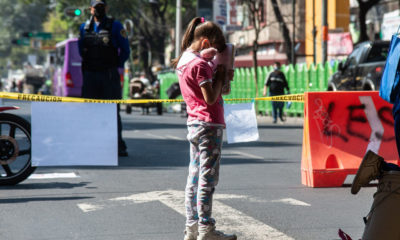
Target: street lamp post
[(293, 31), (314, 36), (324, 31), (178, 28)]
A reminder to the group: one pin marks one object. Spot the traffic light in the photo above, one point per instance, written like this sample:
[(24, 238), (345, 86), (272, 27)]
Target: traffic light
[(27, 34), (78, 12), (73, 12), (21, 41)]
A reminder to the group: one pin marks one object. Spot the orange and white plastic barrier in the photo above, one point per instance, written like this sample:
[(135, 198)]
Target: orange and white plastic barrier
[(339, 128)]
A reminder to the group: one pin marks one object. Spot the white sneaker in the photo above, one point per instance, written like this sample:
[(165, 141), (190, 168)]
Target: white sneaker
[(191, 232), (210, 233)]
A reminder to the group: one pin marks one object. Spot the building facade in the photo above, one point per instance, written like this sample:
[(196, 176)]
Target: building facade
[(338, 19), (271, 41)]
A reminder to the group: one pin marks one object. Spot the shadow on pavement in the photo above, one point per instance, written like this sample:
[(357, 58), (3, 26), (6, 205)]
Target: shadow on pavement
[(280, 126), (260, 144), (48, 185), (152, 125), (41, 199), (184, 162), (254, 161), (159, 153)]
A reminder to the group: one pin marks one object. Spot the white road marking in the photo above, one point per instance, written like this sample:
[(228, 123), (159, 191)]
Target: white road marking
[(234, 221), (246, 155), (229, 196), (155, 136), (175, 137), (53, 175), (230, 219), (289, 201), (292, 201), (87, 207)]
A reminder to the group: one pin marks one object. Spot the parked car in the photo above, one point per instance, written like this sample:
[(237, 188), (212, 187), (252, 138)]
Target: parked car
[(363, 68)]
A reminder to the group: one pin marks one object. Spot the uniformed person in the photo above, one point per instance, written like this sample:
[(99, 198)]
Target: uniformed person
[(276, 82), (104, 48)]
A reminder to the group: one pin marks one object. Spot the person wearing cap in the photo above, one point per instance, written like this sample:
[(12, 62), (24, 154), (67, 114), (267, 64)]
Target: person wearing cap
[(104, 47)]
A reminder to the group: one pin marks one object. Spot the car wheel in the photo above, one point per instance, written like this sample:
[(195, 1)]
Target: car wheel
[(367, 88), (369, 85), (15, 153), (331, 88)]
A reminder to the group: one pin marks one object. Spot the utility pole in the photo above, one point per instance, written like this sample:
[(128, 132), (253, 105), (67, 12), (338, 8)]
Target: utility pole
[(178, 28), (293, 31), (324, 31), (314, 36)]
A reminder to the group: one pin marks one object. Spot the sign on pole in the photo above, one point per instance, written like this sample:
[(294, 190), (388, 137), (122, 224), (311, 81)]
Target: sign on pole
[(233, 20), (390, 24), (220, 12)]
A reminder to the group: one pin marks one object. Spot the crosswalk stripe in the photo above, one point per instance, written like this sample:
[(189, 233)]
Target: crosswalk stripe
[(229, 219), (249, 228), (246, 155), (292, 201), (175, 137), (53, 175), (155, 136)]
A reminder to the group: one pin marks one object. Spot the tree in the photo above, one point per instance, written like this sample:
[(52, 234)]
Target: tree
[(152, 30), (287, 40), (152, 20), (152, 23), (57, 26), (15, 18), (364, 7), (255, 10)]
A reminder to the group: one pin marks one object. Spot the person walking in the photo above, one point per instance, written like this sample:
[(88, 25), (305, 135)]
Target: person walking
[(276, 83), (104, 47), (201, 90)]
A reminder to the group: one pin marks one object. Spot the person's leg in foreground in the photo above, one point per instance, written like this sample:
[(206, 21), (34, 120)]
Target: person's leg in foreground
[(205, 155)]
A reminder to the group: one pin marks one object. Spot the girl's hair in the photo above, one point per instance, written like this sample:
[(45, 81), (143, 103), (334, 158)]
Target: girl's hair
[(197, 29)]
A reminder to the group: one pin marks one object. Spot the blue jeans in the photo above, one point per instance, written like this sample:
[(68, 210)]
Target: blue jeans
[(277, 108)]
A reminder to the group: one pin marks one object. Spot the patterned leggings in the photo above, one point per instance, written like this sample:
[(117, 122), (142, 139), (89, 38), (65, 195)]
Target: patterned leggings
[(205, 155)]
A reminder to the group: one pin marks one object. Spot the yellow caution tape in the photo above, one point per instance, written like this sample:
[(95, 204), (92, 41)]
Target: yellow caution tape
[(47, 98), (281, 98)]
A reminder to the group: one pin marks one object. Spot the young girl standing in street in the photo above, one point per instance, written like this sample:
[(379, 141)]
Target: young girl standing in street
[(201, 90)]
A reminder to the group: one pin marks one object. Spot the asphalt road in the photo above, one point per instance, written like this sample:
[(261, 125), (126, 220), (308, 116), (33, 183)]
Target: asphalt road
[(260, 195)]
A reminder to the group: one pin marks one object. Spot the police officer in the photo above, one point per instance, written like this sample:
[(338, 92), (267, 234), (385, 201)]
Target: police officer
[(104, 48), (276, 82)]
